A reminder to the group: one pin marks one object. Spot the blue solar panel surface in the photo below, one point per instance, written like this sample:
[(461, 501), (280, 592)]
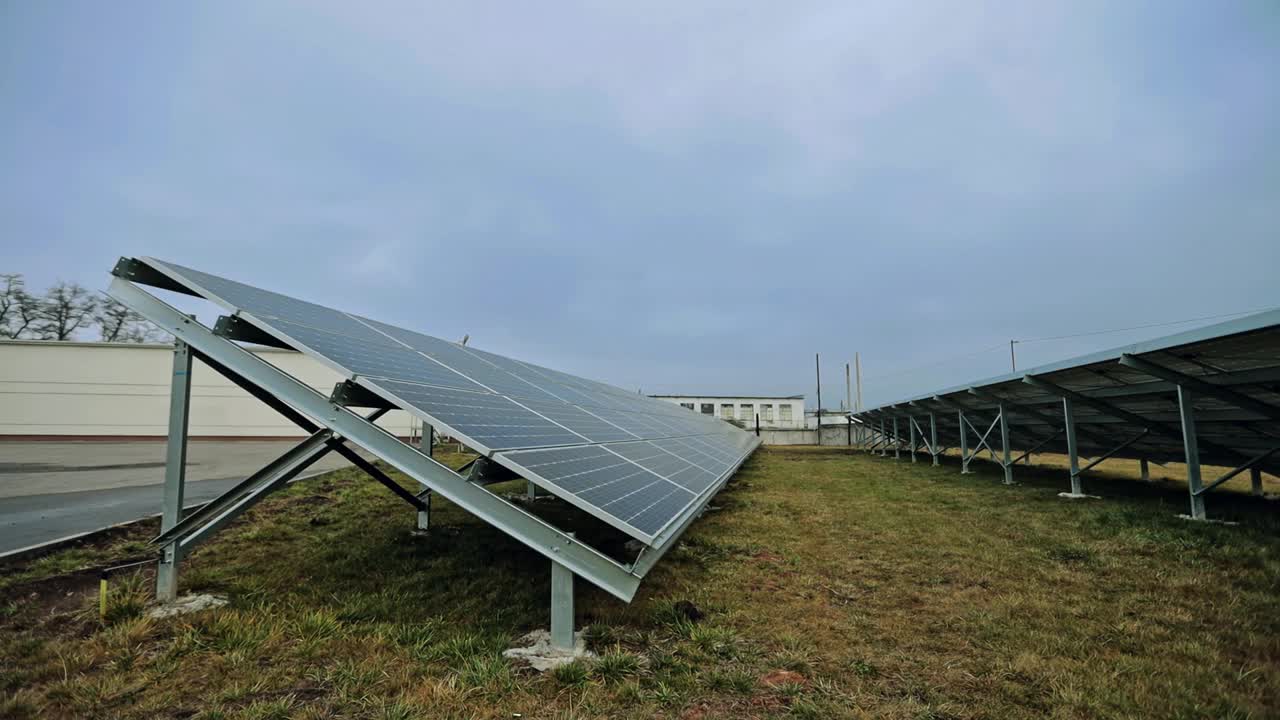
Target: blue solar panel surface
[(634, 462)]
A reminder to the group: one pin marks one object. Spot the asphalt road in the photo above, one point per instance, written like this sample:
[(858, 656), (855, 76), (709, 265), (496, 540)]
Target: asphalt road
[(53, 490)]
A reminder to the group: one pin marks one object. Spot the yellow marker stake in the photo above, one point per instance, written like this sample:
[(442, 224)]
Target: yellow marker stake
[(102, 597)]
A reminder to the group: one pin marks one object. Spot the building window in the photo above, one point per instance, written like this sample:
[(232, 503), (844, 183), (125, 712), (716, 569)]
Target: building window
[(726, 411), (766, 412), (784, 412), (745, 412), (687, 405), (708, 409)]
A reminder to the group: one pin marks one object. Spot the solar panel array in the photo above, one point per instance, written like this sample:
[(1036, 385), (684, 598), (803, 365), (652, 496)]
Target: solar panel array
[(1237, 409), (634, 462)]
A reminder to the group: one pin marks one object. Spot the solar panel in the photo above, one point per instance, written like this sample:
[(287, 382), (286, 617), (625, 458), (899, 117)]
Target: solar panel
[(1204, 395), (636, 463)]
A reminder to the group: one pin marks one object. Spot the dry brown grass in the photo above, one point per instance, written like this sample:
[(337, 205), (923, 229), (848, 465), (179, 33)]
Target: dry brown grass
[(857, 586)]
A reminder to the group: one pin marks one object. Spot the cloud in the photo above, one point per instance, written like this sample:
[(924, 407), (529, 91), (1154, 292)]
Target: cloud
[(637, 191)]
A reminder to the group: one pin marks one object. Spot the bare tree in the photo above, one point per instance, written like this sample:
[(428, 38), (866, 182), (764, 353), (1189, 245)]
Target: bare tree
[(18, 308), (65, 308), (117, 323)]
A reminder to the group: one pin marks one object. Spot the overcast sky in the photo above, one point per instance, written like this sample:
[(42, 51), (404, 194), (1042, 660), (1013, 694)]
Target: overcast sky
[(689, 198)]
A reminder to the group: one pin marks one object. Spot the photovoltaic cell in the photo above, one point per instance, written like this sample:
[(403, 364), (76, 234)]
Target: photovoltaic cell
[(493, 421), (579, 420), (625, 491), (664, 463), (376, 360), (633, 461)]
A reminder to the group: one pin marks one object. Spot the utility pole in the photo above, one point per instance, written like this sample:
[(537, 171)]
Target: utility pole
[(817, 369)]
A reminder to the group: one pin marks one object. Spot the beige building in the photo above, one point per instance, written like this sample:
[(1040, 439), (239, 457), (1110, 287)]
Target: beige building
[(75, 390), (775, 412)]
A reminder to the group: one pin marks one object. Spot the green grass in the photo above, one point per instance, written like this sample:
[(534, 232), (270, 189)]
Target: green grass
[(871, 588)]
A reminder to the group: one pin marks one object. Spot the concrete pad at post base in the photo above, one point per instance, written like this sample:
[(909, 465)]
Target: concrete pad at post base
[(1078, 496), (1208, 520), (536, 650)]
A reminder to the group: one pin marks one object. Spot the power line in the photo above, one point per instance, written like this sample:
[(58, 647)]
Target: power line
[(1144, 327), (936, 363), (1003, 345)]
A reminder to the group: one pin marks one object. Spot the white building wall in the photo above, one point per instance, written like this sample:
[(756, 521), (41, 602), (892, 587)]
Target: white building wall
[(749, 405), (70, 389)]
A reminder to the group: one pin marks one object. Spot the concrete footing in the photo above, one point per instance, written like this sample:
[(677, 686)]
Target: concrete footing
[(186, 605), (536, 650), (1208, 520), (1078, 496)]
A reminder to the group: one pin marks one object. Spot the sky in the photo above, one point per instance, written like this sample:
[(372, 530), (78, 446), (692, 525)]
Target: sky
[(674, 197)]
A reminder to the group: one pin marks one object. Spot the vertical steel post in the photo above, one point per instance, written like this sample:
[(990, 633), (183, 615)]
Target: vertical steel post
[(175, 469), (911, 426), (1073, 450), (1008, 451), (427, 444), (1191, 446), (424, 516), (884, 446), (1145, 468), (964, 446), (1255, 481), (561, 606), (933, 437), (897, 440)]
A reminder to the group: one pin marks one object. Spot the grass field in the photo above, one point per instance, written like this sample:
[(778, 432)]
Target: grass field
[(833, 585)]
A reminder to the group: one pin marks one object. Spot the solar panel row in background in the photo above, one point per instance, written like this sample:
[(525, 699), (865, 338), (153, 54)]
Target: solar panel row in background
[(635, 462)]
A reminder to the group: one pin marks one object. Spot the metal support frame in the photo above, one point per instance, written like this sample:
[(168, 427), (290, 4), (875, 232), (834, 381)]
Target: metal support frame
[(175, 468), (933, 437), (1191, 447), (897, 440), (1026, 454), (1255, 481), (423, 521), (911, 426), (1201, 387), (1111, 453), (1120, 413), (1144, 467), (562, 629), (1251, 465), (583, 560), (982, 439), (202, 524), (964, 445), (884, 447), (1073, 450), (1004, 440), (428, 446)]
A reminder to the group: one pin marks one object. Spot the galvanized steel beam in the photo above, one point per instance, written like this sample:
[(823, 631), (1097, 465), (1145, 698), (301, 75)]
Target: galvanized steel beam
[(175, 468), (1202, 387), (1192, 449)]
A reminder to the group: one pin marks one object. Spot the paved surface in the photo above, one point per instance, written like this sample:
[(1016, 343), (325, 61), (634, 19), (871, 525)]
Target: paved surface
[(51, 490)]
